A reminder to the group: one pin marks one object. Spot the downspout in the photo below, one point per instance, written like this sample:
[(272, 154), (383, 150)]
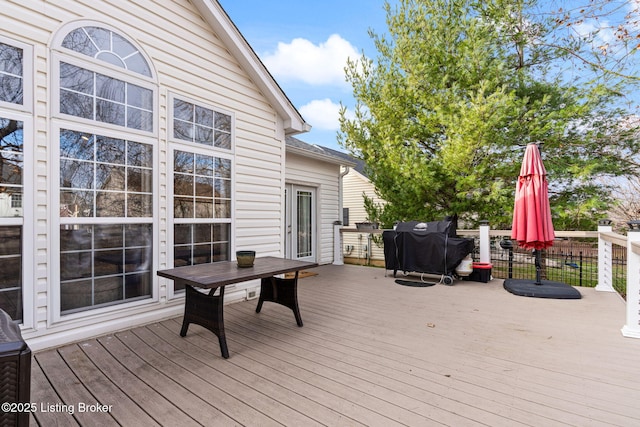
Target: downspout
[(337, 236)]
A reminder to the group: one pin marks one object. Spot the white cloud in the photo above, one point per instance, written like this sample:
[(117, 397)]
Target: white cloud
[(322, 114), (321, 64)]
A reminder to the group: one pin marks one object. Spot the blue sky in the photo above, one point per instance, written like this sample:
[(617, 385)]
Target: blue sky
[(304, 44)]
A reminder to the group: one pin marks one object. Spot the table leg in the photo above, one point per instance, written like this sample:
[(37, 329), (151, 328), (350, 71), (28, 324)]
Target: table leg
[(281, 291), (205, 310)]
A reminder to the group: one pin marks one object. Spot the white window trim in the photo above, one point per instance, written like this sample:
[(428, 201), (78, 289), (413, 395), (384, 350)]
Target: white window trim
[(28, 78)]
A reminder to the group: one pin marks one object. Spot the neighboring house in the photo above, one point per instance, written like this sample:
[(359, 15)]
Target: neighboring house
[(143, 135), (357, 247)]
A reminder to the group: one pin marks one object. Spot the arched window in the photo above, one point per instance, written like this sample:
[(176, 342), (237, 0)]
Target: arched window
[(105, 156), (93, 90), (107, 46)]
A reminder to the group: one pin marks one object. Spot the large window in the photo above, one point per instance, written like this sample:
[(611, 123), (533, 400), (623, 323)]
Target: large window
[(106, 176), (202, 183), (15, 110)]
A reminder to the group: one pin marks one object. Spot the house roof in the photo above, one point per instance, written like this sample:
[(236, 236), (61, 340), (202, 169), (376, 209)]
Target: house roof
[(297, 146), (213, 13), (357, 164)]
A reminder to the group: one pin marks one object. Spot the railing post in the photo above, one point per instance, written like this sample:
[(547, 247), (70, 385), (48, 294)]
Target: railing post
[(485, 242), (337, 244), (605, 258), (632, 327)]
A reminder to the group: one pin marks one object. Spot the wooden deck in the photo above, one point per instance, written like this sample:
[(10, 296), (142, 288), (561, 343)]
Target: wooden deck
[(370, 353)]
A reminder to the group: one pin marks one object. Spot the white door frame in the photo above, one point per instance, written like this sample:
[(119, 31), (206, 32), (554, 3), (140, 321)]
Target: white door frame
[(300, 226)]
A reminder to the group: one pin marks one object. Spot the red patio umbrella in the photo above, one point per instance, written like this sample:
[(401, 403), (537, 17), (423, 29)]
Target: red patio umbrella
[(532, 226)]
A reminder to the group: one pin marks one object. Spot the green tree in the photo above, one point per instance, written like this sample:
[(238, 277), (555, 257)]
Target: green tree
[(459, 88)]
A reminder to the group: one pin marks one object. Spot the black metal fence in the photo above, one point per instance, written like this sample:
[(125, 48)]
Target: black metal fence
[(571, 261)]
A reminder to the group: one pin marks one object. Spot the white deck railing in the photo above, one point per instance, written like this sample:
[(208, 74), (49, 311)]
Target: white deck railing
[(606, 239)]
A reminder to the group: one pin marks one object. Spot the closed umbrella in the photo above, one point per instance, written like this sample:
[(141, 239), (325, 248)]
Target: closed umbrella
[(532, 226)]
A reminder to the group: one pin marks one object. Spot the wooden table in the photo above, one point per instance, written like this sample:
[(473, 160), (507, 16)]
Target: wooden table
[(205, 309)]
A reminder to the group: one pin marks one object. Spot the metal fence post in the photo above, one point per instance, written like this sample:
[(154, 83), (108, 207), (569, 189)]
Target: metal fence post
[(632, 327), (605, 258)]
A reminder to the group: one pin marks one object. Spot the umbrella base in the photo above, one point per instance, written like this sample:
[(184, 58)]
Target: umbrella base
[(548, 289)]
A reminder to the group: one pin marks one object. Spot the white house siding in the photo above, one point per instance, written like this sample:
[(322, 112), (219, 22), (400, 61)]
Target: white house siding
[(322, 176), (191, 61), (356, 245)]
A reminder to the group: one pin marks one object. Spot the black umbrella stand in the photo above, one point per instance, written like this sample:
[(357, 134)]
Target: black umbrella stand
[(541, 288)]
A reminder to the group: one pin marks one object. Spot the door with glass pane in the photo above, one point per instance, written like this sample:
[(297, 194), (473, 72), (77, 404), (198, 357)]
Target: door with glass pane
[(300, 242)]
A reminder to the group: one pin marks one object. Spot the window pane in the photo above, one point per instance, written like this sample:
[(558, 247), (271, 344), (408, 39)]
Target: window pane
[(101, 37), (109, 177), (204, 208), (78, 41), (111, 150), (11, 165), (75, 295), (108, 262), (223, 208), (139, 154), (204, 135), (204, 187), (76, 78), (76, 203), (223, 122), (76, 104), (76, 145), (76, 174), (10, 60), (223, 189), (109, 88), (183, 130), (183, 110), (139, 205), (181, 234), (203, 116), (108, 290), (139, 119), (203, 233), (140, 97), (183, 185), (223, 168), (139, 180), (204, 165), (75, 238), (183, 162), (183, 207), (110, 204), (110, 112), (108, 236), (223, 140), (11, 89)]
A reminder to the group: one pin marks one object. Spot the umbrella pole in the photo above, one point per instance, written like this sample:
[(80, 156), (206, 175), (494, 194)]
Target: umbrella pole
[(536, 252)]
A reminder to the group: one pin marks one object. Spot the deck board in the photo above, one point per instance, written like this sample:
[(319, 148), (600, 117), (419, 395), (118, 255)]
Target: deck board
[(370, 353)]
